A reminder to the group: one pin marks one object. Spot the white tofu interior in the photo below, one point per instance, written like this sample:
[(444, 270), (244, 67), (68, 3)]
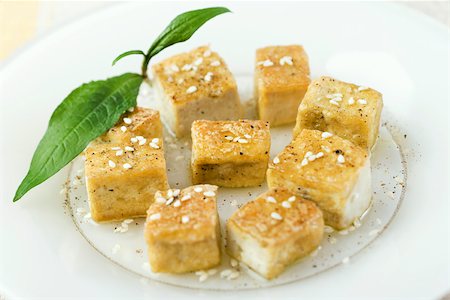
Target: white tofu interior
[(250, 252), (360, 196)]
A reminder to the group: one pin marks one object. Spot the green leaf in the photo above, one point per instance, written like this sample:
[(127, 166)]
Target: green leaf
[(182, 28), (85, 114), (131, 52)]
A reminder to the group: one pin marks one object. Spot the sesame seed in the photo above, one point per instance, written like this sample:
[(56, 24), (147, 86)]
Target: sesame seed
[(153, 145), (326, 135), (362, 88), (266, 63), (209, 194), (291, 199), (112, 164), (312, 157), (345, 260), (328, 229), (160, 200), (304, 162), (343, 232), (271, 199), (191, 89), (187, 67), (286, 60), (177, 203), (186, 197), (134, 140), (236, 139), (119, 153), (123, 128), (184, 219), (142, 142), (115, 148), (203, 277), (198, 61), (225, 273), (234, 263), (286, 204), (156, 216), (169, 201), (127, 121), (234, 275), (276, 216), (319, 155), (276, 160), (242, 141), (208, 76), (215, 63), (334, 102), (248, 136), (128, 148), (127, 221), (176, 192), (155, 140), (127, 166), (362, 101), (198, 189), (207, 53), (174, 68), (170, 193), (341, 159), (139, 137), (229, 138), (351, 101)]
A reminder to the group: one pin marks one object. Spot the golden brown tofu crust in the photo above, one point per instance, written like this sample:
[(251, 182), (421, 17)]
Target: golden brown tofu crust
[(177, 244), (324, 173), (175, 79), (212, 143), (144, 122), (201, 210), (324, 180), (279, 77), (285, 240), (117, 193), (254, 217), (352, 120)]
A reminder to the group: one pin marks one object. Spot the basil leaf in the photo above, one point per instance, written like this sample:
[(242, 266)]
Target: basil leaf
[(131, 52), (85, 113), (182, 28)]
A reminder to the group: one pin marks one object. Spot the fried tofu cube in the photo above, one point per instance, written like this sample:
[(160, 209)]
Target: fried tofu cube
[(183, 231), (273, 231), (281, 80), (331, 171), (347, 110), (140, 121), (230, 153), (195, 85), (121, 181)]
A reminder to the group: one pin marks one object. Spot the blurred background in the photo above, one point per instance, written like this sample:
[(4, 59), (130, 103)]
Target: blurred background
[(23, 21)]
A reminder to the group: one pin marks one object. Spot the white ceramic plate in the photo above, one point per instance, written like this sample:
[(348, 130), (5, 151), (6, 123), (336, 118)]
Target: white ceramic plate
[(402, 249)]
